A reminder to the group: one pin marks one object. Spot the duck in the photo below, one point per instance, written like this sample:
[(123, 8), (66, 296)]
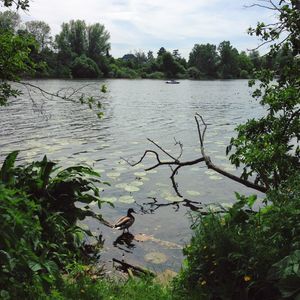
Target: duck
[(126, 221)]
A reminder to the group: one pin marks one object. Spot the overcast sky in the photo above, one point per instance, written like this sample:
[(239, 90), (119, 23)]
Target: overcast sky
[(150, 24)]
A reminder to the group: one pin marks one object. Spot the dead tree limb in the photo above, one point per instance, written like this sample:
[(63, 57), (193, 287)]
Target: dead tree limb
[(177, 164)]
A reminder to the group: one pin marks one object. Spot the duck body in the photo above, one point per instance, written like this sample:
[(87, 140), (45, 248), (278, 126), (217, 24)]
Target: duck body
[(126, 221)]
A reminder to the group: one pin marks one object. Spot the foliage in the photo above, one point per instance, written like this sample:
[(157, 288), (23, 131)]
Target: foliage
[(84, 67), (39, 213), (246, 254), (40, 31), (77, 39), (14, 61), (133, 289), (268, 147), (23, 4), (205, 59), (9, 21), (229, 61)]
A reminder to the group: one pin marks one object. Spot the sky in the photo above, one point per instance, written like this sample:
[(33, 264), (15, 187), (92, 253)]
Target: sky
[(145, 25)]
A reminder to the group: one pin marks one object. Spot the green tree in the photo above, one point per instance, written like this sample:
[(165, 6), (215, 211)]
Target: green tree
[(245, 65), (41, 32), (268, 147), (9, 21), (85, 67), (98, 41), (170, 66), (229, 61), (161, 51), (205, 59)]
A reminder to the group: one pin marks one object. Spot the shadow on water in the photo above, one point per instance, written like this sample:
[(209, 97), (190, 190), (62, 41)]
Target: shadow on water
[(125, 239)]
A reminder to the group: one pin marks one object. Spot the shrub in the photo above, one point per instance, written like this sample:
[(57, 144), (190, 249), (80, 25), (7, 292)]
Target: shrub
[(156, 75), (245, 254), (85, 67), (38, 223)]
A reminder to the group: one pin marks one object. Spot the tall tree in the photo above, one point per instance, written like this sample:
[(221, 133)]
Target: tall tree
[(229, 60), (40, 31), (9, 21), (98, 41), (205, 59)]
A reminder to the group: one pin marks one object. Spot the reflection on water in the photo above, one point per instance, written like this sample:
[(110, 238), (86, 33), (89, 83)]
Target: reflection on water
[(134, 111)]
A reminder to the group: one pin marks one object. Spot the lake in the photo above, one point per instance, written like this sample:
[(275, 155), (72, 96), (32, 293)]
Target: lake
[(135, 110)]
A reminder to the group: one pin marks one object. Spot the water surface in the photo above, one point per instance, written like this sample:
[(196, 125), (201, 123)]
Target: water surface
[(134, 111)]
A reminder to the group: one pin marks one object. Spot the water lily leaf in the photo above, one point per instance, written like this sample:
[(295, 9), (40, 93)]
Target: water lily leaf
[(136, 183), (210, 172), (121, 185), (195, 169), (139, 166), (126, 199), (156, 257), (140, 174), (193, 193), (120, 169), (142, 237), (113, 174), (151, 171), (131, 188), (145, 179), (162, 184)]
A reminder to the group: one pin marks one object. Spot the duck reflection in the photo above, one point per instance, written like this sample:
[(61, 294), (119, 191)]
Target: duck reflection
[(125, 239)]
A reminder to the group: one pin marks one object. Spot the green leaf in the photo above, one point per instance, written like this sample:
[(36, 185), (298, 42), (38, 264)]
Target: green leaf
[(6, 173)]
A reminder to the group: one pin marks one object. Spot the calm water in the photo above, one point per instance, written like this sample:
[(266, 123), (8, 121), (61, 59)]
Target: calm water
[(134, 111)]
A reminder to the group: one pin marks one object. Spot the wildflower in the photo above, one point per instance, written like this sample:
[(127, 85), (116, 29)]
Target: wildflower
[(203, 282), (247, 278)]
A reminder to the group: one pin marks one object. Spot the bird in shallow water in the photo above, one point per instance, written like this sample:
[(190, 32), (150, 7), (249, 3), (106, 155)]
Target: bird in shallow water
[(126, 221)]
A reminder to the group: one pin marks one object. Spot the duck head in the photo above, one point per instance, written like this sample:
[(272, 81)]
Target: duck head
[(130, 211)]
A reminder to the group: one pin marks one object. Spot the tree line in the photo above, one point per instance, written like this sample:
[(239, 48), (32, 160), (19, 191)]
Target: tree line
[(82, 51)]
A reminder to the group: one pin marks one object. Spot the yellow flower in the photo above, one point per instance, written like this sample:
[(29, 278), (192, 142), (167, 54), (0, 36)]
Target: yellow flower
[(203, 282), (247, 278)]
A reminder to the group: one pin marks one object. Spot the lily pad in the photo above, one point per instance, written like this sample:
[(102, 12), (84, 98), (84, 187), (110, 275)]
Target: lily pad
[(136, 183), (139, 166), (145, 179), (151, 171), (193, 193), (113, 174), (121, 185), (126, 199), (215, 177), (120, 169), (210, 172), (140, 174), (170, 197), (131, 188), (156, 257)]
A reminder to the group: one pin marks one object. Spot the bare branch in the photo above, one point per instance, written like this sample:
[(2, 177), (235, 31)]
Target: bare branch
[(179, 164)]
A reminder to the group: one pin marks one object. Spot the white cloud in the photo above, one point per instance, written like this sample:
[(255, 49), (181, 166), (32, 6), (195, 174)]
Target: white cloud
[(142, 24)]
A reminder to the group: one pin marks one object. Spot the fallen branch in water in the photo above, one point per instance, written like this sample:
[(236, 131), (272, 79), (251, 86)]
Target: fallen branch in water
[(175, 164), (128, 268)]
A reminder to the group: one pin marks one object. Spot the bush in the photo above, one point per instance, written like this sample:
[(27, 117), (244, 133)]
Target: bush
[(156, 75), (85, 67), (38, 223), (133, 289), (245, 254)]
